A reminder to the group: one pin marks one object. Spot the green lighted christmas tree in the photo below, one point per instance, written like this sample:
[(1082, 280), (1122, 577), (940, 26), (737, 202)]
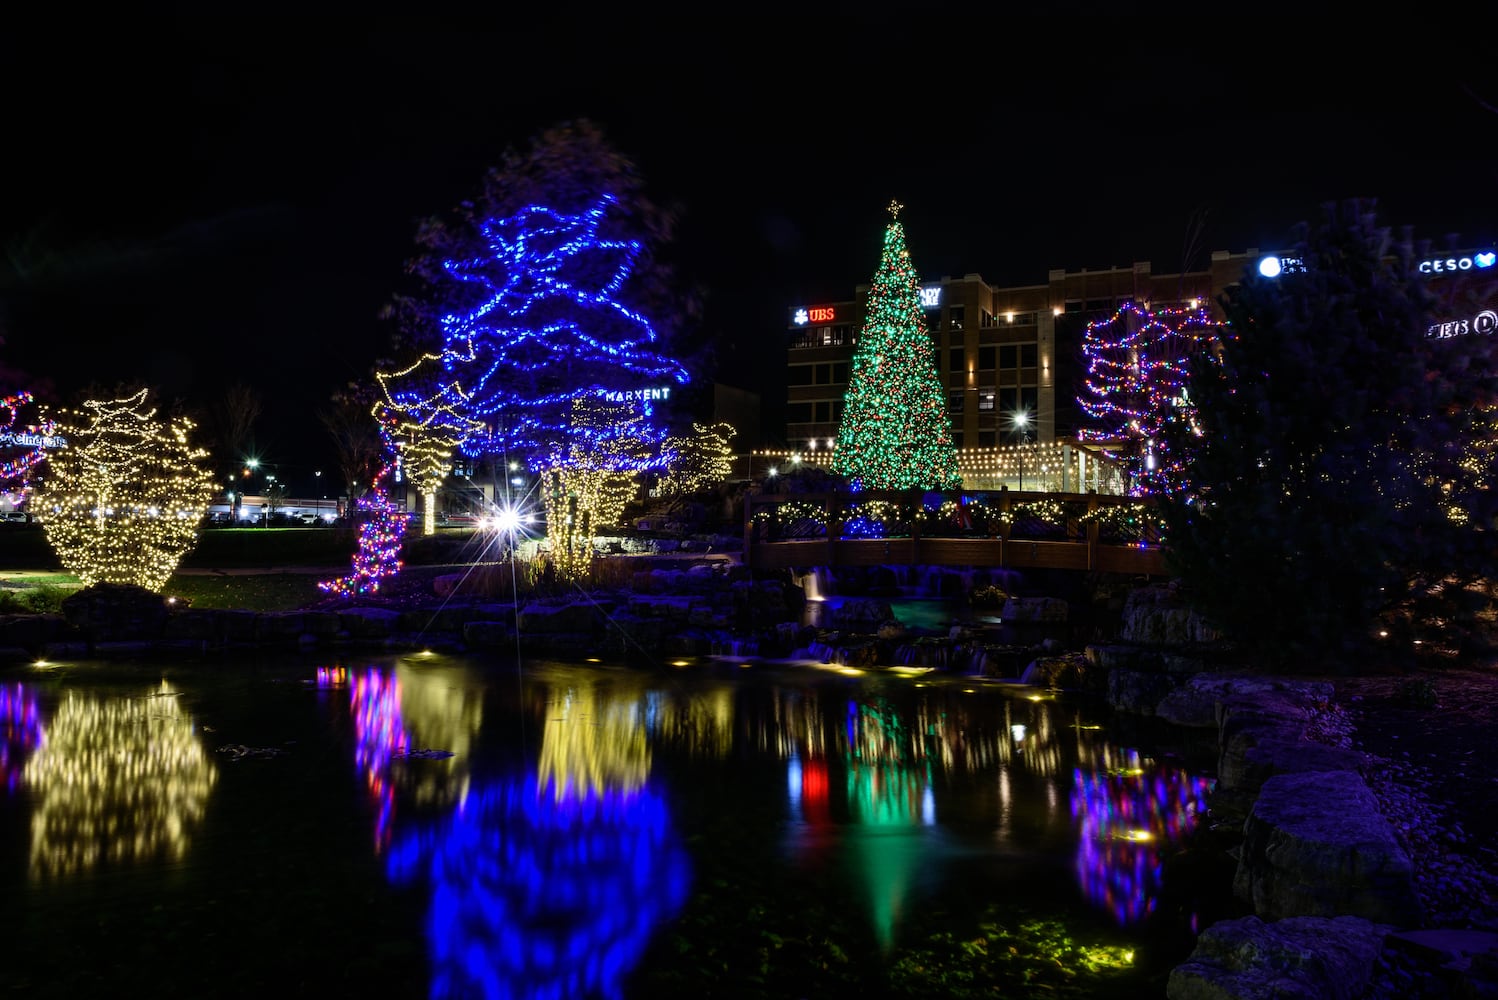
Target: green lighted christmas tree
[(895, 432)]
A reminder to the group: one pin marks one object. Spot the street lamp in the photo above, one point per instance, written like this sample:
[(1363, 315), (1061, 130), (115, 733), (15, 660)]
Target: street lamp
[(1022, 428)]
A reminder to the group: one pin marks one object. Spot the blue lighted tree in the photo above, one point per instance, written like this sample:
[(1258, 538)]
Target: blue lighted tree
[(535, 309)]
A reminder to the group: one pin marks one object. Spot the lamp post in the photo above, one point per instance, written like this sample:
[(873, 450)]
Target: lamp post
[(1022, 427)]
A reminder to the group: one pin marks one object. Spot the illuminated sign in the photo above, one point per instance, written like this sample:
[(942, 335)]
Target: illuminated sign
[(814, 314), (1273, 267), (1467, 262), (1484, 323), (26, 439), (629, 395), (931, 297)]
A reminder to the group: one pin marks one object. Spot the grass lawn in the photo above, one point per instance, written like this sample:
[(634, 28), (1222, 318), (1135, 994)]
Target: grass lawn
[(34, 591)]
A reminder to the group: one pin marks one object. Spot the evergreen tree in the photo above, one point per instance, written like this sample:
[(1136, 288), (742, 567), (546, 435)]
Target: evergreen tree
[(1334, 497), (895, 432)]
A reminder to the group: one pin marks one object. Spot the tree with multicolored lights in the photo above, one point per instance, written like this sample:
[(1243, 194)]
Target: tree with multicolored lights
[(27, 447), (1137, 383), (895, 432), (382, 525), (123, 501)]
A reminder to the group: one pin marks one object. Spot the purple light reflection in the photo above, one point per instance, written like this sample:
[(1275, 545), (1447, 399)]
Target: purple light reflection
[(1127, 821), (20, 732)]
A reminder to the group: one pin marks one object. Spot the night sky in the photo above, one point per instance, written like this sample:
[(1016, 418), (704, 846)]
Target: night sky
[(202, 203)]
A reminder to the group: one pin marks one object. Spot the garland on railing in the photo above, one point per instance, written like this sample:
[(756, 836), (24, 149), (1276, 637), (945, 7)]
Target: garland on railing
[(968, 516)]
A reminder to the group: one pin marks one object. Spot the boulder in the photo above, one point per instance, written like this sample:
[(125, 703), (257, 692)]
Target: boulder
[(116, 612), (1298, 958), (1314, 844)]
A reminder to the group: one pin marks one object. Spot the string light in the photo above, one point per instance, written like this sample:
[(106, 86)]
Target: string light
[(1136, 386), (895, 432), (15, 472), (703, 459), (124, 500)]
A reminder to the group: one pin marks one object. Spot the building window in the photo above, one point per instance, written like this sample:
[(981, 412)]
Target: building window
[(1009, 357), (798, 413), (954, 360), (956, 439), (824, 412), (985, 399), (798, 374), (985, 359), (1027, 355), (955, 401), (837, 410), (987, 439), (955, 316)]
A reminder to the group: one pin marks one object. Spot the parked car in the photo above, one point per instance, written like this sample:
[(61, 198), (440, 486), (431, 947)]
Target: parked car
[(457, 520)]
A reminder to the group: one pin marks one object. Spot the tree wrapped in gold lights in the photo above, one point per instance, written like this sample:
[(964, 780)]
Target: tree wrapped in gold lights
[(704, 458), (895, 432), (123, 502), (427, 429), (587, 483)]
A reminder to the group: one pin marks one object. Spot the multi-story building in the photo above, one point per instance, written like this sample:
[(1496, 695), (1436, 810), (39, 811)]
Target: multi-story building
[(1009, 358)]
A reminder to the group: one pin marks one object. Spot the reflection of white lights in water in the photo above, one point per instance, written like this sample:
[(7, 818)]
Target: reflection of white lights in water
[(117, 781), (591, 743)]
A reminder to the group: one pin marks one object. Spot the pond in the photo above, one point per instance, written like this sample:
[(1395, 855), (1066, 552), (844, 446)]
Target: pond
[(459, 826)]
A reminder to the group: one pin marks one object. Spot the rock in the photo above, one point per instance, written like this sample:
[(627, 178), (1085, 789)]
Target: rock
[(1298, 958), (1315, 844), (1158, 616), (116, 612)]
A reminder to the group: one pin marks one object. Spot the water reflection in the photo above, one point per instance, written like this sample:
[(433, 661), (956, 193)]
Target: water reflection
[(1127, 818), (551, 885), (413, 730), (117, 781), (20, 732)]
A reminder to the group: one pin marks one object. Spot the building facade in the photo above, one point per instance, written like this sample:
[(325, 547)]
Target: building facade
[(1010, 361)]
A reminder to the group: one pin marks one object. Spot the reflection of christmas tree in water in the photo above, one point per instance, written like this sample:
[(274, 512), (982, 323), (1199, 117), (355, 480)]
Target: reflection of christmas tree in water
[(1128, 819), (536, 894), (20, 732)]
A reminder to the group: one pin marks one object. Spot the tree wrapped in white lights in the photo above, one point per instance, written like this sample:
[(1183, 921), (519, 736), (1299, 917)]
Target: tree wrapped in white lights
[(587, 483), (123, 502), (427, 429), (704, 458)]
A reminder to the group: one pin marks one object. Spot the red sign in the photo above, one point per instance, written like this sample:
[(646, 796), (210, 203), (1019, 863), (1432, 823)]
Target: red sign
[(821, 314)]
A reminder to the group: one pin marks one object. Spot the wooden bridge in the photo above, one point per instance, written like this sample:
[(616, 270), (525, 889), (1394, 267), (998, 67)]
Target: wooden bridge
[(1006, 528)]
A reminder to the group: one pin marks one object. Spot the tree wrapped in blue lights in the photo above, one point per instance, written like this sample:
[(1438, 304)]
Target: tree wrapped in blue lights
[(895, 432), (539, 340), (1137, 384)]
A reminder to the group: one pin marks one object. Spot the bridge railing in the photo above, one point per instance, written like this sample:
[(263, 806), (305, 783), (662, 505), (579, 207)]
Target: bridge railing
[(979, 527)]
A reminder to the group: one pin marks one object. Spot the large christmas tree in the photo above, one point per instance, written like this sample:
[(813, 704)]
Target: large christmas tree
[(895, 432)]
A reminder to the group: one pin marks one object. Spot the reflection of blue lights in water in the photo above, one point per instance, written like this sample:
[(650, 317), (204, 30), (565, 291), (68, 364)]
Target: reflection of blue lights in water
[(539, 897), (1127, 820), (20, 732)]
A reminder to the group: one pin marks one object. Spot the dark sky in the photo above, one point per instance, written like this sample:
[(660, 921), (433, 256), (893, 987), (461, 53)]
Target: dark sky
[(198, 203)]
